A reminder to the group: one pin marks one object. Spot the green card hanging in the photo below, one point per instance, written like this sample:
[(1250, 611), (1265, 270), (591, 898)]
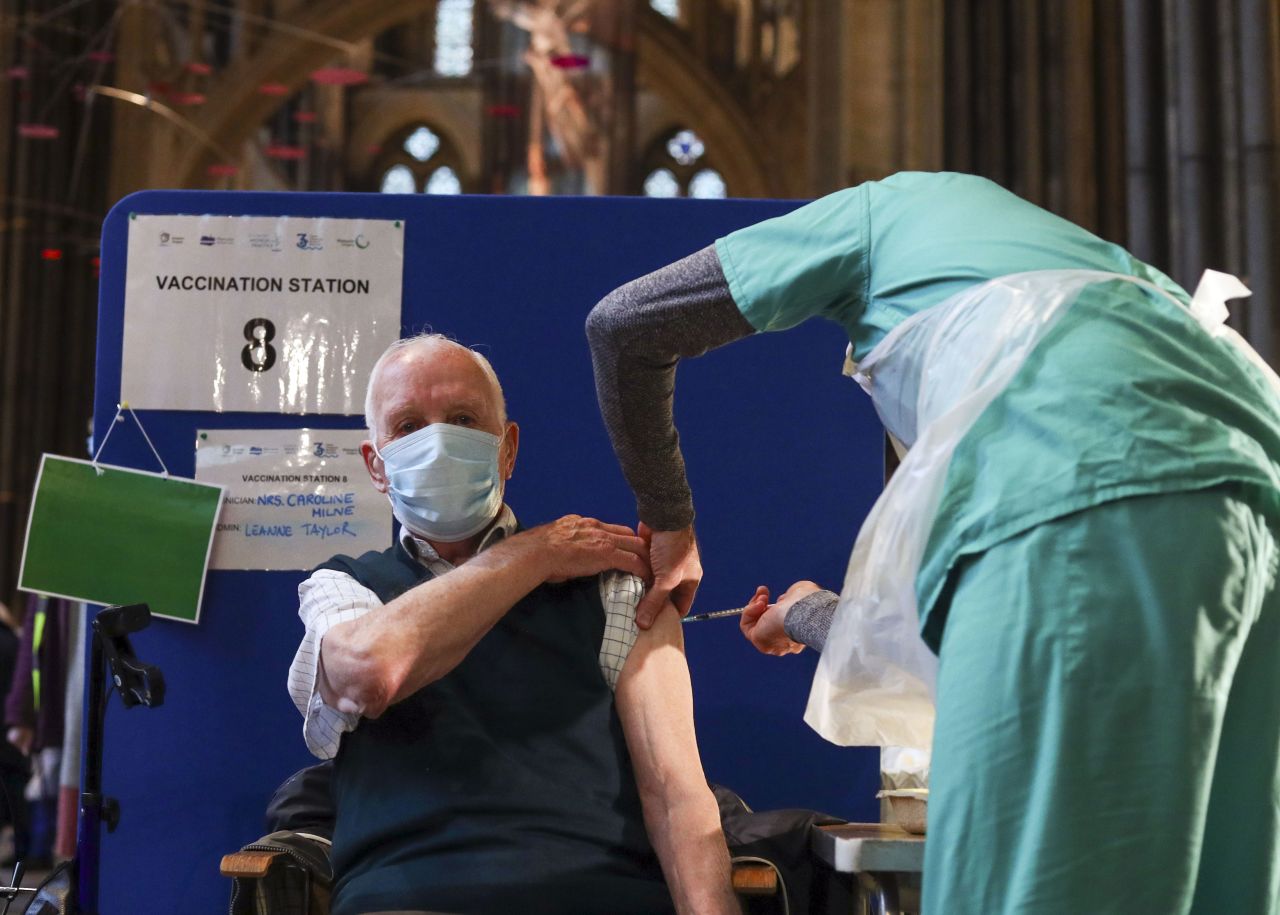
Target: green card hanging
[(115, 535)]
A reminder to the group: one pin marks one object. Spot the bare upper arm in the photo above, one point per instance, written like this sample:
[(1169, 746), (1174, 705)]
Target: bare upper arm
[(655, 703)]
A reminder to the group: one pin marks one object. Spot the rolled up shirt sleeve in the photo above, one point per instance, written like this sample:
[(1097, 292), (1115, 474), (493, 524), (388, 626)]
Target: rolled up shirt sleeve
[(325, 599), (620, 592)]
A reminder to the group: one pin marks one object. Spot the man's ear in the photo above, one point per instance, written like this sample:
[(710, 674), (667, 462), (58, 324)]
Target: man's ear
[(507, 451), (373, 464)]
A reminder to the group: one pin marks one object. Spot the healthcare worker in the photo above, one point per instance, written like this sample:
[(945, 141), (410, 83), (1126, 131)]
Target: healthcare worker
[(1082, 529)]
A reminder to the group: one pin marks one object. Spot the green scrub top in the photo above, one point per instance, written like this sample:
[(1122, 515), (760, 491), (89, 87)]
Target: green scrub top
[(1127, 395)]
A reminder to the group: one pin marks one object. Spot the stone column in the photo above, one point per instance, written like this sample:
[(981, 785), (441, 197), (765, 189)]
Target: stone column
[(875, 89)]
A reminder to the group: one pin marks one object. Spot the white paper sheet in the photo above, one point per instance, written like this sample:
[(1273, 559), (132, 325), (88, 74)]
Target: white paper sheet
[(277, 314), (294, 497)]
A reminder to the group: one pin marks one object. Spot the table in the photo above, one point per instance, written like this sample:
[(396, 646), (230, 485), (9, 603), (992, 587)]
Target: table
[(875, 856)]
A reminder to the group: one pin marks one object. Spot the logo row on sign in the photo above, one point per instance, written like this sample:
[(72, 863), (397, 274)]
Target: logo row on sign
[(305, 241)]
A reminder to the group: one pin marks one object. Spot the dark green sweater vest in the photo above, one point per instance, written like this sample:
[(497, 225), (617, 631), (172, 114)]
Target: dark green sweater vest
[(506, 785)]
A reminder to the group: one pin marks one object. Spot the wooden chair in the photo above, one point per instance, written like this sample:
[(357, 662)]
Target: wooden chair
[(252, 868)]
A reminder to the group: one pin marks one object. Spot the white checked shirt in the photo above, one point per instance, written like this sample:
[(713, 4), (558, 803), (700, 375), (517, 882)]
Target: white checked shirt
[(330, 597)]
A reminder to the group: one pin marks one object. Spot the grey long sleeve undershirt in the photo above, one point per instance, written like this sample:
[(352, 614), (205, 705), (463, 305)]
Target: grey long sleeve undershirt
[(809, 619), (638, 333)]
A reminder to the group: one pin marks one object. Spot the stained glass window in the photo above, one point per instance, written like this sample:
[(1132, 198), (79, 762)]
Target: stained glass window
[(668, 8), (398, 180), (661, 183), (453, 37), (685, 147), (707, 184), (444, 180), (677, 167), (422, 144)]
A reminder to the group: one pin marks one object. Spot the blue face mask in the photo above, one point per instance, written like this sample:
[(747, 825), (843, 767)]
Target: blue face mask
[(443, 481)]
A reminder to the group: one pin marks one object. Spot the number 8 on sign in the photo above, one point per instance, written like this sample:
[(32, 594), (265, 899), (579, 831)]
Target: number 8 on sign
[(258, 354)]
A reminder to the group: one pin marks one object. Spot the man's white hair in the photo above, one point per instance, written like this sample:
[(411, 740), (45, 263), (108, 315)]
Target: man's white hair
[(402, 347)]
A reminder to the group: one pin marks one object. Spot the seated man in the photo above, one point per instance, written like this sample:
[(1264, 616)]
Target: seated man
[(504, 740)]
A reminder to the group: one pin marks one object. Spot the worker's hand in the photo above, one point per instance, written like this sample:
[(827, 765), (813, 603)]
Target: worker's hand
[(575, 547), (763, 623), (677, 571), (21, 738)]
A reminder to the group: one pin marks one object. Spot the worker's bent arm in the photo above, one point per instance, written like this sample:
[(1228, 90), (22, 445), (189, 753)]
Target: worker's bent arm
[(638, 333), (655, 702)]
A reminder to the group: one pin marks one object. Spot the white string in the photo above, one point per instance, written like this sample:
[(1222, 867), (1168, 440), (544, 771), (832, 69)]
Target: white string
[(110, 426), (120, 408), (148, 440)]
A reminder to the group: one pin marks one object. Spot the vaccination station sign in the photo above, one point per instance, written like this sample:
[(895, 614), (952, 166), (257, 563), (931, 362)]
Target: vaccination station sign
[(293, 497), (276, 314)]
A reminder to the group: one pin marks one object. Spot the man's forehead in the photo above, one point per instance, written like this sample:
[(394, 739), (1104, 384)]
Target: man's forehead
[(434, 372)]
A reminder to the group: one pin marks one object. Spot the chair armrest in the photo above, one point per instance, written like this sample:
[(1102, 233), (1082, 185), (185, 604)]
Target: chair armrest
[(751, 879), (248, 864)]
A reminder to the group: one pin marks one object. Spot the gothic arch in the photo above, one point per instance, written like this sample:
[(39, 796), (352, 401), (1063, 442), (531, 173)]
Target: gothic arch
[(236, 108), (452, 114), (699, 100)]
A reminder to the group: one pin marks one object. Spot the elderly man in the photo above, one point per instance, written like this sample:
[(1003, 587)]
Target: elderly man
[(505, 741)]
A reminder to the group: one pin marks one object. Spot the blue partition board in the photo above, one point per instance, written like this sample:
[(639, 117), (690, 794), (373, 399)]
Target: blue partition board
[(784, 455)]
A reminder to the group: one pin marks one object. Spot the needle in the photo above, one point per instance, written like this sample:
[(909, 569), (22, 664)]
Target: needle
[(714, 615)]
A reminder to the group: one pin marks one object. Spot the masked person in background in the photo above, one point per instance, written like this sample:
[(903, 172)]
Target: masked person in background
[(504, 740), (1082, 528)]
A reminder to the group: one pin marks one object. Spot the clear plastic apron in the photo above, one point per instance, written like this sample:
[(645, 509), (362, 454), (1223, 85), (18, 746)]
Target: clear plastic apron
[(929, 379)]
